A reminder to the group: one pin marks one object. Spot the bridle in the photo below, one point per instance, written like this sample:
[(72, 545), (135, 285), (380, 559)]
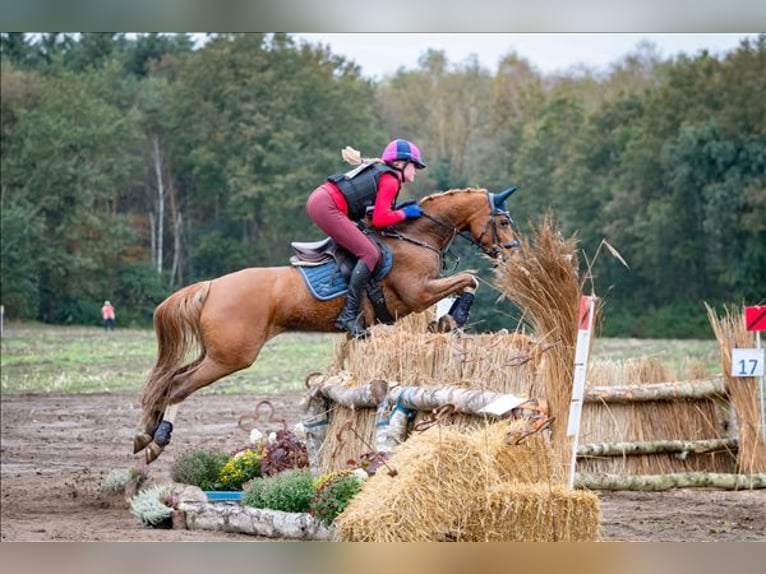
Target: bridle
[(494, 212), (490, 225)]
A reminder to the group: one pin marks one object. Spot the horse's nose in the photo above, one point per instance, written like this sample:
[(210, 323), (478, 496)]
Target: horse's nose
[(512, 245)]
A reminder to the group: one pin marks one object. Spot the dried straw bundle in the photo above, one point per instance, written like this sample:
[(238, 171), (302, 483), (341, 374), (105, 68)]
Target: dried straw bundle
[(636, 370), (407, 354), (543, 279), (647, 421), (500, 362), (743, 392), (463, 487), (685, 420)]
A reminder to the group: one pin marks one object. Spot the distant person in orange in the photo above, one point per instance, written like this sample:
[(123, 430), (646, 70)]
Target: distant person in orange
[(107, 312)]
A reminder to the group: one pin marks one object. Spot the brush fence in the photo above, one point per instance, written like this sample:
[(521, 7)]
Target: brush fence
[(685, 431)]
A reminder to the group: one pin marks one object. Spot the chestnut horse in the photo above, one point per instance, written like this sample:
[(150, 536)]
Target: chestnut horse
[(231, 317)]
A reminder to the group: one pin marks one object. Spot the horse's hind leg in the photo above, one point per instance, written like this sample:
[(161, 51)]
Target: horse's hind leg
[(184, 384), (142, 440)]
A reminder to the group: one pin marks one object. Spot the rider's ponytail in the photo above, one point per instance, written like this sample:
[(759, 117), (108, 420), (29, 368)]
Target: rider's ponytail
[(354, 156)]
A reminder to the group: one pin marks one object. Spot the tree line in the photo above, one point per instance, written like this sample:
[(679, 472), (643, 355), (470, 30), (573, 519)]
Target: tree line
[(135, 164)]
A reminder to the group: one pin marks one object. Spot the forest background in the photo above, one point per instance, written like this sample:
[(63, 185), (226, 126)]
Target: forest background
[(134, 164)]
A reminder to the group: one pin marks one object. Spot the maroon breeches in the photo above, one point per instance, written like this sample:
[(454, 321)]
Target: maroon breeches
[(329, 218)]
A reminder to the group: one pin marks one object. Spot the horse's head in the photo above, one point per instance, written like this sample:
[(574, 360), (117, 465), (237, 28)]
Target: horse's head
[(492, 228), (473, 214)]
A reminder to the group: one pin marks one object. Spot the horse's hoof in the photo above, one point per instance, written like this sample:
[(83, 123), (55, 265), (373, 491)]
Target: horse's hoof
[(162, 434), (140, 442), (153, 451)]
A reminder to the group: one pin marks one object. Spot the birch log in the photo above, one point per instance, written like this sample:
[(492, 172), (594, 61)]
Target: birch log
[(704, 388), (363, 396), (657, 482), (429, 398), (255, 521), (656, 446)]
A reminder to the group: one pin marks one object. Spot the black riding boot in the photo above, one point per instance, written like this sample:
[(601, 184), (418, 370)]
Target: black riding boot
[(348, 320)]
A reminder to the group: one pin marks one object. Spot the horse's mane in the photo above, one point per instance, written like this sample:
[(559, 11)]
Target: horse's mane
[(439, 194)]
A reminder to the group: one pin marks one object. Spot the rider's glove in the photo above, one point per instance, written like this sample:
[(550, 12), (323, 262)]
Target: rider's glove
[(412, 211), (405, 203)]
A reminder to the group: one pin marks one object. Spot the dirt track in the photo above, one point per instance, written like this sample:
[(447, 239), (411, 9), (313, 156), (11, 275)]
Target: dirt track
[(56, 450)]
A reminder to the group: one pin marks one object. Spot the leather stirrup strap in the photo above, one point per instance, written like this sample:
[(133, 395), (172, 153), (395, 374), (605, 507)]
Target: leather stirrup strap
[(375, 292)]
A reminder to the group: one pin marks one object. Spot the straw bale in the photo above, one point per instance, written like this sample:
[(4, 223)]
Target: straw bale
[(535, 513), (531, 461), (447, 482), (435, 471)]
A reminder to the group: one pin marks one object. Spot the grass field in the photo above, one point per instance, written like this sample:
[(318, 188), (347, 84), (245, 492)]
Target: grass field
[(43, 359)]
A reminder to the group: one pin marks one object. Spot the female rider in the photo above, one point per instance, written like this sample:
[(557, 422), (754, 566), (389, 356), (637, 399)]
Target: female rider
[(336, 206)]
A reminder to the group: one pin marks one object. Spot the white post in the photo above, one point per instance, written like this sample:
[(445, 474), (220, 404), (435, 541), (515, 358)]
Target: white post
[(582, 350), (2, 320), (755, 320), (760, 387)]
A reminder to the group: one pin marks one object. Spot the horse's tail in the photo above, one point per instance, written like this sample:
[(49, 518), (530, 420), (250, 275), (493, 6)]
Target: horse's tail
[(177, 327)]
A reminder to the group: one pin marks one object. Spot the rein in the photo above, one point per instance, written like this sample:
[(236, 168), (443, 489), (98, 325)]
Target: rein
[(455, 232), (393, 233), (467, 236)]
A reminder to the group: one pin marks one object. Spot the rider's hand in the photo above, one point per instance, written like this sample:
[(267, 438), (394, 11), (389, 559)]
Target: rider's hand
[(405, 203), (412, 211)]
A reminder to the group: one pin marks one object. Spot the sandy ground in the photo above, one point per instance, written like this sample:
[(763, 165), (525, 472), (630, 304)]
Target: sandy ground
[(55, 451)]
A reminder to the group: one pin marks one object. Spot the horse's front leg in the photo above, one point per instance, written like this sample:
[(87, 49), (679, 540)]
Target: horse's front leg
[(463, 284), (431, 291)]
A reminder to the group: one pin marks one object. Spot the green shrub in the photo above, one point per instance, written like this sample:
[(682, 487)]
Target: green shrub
[(240, 468), (253, 493), (199, 468), (289, 491), (333, 497), (150, 508)]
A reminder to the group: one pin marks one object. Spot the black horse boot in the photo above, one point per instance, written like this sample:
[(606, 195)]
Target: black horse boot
[(348, 320)]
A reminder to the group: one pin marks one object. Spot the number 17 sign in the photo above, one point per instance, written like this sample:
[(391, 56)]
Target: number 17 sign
[(747, 362)]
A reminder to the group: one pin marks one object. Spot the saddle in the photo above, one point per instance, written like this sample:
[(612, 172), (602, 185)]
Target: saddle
[(326, 268), (312, 253)]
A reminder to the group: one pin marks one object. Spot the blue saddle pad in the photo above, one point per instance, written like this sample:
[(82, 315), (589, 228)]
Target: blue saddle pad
[(326, 282)]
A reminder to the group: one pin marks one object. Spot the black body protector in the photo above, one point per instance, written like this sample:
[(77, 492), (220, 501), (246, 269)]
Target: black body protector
[(360, 186)]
